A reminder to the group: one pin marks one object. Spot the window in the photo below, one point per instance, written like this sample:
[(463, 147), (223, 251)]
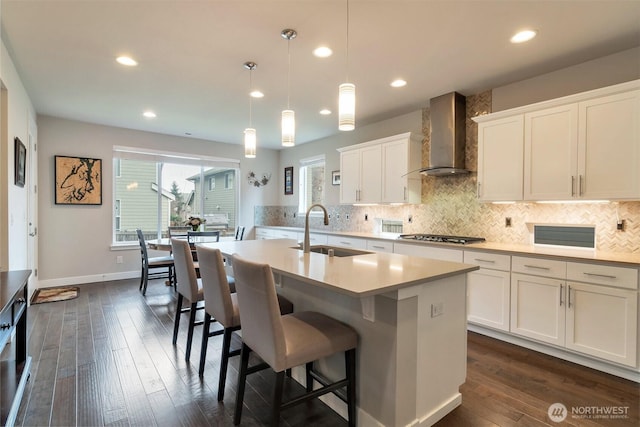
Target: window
[(117, 215), (155, 190), (116, 166), (311, 182), (228, 181)]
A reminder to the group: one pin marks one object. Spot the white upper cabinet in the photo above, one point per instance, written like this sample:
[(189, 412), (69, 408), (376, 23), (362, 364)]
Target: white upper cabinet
[(580, 147), (609, 147), (379, 171), (551, 153), (500, 149)]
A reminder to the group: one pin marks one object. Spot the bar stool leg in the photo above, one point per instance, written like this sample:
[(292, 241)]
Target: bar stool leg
[(242, 378), (277, 399), (176, 324), (205, 342), (350, 365), (309, 368), (224, 362), (192, 323)]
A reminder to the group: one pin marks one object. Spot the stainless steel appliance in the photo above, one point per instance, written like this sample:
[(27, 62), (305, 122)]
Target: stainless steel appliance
[(460, 240)]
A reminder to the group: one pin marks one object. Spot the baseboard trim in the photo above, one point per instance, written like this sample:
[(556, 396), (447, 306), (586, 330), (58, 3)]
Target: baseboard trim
[(80, 280)]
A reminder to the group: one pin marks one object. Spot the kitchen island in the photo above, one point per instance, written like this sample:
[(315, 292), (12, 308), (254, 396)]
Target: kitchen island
[(410, 314)]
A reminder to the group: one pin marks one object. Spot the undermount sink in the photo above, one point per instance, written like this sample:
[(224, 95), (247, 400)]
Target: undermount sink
[(337, 251)]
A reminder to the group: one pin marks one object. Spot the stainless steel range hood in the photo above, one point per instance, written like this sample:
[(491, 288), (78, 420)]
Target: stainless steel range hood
[(448, 114)]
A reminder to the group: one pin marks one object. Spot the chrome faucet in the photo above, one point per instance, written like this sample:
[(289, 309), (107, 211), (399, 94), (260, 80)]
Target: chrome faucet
[(306, 246)]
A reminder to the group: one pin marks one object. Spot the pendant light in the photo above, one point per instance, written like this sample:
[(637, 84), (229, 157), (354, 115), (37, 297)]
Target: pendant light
[(347, 95), (250, 132), (288, 115)]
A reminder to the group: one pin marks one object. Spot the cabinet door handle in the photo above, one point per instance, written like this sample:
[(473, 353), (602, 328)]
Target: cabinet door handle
[(581, 188), (606, 276), (573, 186), (346, 243), (537, 267), (484, 260), (569, 296), (377, 247), (405, 194), (561, 289)]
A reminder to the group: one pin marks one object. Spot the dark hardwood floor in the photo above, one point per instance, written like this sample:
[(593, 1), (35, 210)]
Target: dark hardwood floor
[(106, 358)]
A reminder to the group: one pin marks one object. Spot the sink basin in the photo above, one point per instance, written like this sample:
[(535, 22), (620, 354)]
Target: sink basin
[(337, 251)]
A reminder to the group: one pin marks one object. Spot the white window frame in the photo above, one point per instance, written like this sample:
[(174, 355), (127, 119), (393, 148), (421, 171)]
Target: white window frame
[(303, 197)]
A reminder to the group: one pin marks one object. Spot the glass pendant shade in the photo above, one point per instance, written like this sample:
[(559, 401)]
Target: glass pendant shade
[(250, 143), (288, 128), (347, 106)]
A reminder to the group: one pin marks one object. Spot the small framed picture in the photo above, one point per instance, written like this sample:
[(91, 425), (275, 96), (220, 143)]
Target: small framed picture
[(288, 180), (335, 178), (20, 162)]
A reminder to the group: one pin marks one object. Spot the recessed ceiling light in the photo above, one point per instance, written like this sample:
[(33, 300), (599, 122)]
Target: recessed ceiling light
[(325, 111), (149, 114), (256, 94), (126, 60), (398, 83), (322, 52), (523, 36)]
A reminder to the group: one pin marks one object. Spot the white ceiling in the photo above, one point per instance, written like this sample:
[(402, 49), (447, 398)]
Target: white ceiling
[(191, 56)]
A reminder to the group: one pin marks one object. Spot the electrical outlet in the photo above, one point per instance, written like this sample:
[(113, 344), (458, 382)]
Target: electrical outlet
[(346, 216), (437, 309), (410, 219), (294, 215), (285, 214), (119, 259), (507, 221), (620, 225), (337, 216)]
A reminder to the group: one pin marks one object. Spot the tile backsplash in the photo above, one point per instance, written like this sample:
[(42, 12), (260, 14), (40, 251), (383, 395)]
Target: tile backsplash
[(449, 206)]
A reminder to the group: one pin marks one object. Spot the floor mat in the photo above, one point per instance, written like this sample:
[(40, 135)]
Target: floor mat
[(62, 293)]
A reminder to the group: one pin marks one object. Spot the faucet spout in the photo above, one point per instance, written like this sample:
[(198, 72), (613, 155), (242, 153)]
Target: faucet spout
[(306, 246)]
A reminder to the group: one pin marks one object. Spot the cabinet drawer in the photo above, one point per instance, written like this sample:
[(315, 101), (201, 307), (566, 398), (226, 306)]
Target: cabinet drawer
[(315, 238), (620, 277), (425, 251), (539, 267), (379, 246), (347, 242), (488, 260), (284, 234)]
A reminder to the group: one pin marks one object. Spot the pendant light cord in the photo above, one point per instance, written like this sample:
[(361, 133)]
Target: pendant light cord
[(250, 89), (288, 72), (347, 43)]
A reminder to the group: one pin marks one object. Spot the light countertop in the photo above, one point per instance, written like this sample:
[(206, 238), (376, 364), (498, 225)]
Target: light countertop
[(358, 276), (567, 254)]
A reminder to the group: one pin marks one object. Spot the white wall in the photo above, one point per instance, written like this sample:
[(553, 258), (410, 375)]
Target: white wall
[(20, 110), (411, 122), (75, 240)]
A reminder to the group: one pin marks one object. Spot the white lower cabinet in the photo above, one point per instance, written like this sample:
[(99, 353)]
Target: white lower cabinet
[(598, 319), (347, 242), (537, 308), (488, 289), (443, 254), (379, 246)]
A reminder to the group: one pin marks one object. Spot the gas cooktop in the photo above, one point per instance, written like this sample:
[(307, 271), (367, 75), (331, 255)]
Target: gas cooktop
[(461, 240)]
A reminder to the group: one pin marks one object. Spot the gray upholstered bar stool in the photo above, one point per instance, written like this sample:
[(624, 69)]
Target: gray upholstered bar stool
[(189, 286), (287, 341), (221, 305)]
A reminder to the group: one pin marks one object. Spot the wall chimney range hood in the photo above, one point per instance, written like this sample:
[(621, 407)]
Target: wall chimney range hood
[(448, 129)]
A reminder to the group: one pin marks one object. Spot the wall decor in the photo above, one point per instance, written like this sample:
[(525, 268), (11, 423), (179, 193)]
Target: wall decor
[(335, 178), (20, 165), (288, 180), (78, 181), (258, 182)]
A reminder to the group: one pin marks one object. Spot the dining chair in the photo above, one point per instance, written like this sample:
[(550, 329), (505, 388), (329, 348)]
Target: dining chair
[(284, 342), (221, 305), (153, 263), (194, 237), (178, 230), (189, 287)]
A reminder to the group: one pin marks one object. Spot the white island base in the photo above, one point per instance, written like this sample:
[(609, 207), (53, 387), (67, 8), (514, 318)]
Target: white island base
[(411, 358)]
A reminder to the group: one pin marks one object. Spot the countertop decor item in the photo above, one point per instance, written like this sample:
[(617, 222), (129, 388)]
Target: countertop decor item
[(78, 180), (195, 222)]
